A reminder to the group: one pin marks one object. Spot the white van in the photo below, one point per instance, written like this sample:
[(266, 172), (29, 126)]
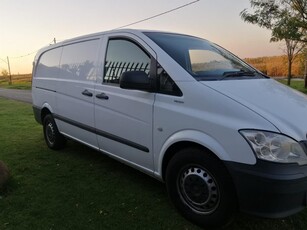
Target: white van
[(220, 134)]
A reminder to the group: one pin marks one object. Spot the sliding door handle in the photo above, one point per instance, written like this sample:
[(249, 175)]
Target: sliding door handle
[(87, 93), (102, 96)]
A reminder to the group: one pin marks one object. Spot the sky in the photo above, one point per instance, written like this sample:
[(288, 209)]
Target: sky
[(27, 26)]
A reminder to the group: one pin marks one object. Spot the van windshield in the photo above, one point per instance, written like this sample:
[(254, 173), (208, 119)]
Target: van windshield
[(203, 59)]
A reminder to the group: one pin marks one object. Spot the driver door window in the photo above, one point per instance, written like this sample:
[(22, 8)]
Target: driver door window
[(123, 55)]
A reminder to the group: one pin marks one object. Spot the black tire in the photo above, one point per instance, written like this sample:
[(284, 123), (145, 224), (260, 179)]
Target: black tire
[(201, 188), (54, 139)]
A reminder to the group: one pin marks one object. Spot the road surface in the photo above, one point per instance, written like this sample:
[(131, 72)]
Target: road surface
[(17, 94)]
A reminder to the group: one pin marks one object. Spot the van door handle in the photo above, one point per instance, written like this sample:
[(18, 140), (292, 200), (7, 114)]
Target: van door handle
[(102, 96), (87, 93)]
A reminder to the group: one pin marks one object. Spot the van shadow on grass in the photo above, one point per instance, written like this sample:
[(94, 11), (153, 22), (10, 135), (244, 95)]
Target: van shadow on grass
[(125, 193), (107, 164)]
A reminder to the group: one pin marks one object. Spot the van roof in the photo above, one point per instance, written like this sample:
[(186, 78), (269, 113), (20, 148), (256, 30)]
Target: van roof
[(133, 31)]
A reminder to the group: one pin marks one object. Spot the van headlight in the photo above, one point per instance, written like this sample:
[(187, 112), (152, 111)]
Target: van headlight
[(275, 147)]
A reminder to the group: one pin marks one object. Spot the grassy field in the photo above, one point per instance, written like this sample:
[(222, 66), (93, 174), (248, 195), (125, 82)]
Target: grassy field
[(296, 84), (79, 188), (21, 81), (22, 85)]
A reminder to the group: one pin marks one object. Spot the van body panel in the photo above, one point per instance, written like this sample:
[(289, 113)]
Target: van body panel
[(48, 106), (272, 100), (75, 89), (44, 86), (132, 124), (83, 136), (81, 112), (212, 122), (199, 137), (44, 94)]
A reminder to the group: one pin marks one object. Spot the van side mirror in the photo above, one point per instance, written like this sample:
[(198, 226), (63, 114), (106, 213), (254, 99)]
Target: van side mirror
[(138, 80)]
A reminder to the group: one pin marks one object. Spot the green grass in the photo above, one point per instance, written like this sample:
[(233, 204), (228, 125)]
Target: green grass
[(19, 85), (296, 84), (79, 188)]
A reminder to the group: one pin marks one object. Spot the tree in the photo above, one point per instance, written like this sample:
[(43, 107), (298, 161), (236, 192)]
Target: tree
[(287, 29), (300, 9), (5, 73), (284, 19)]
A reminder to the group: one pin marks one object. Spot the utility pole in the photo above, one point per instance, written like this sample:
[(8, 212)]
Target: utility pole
[(9, 67)]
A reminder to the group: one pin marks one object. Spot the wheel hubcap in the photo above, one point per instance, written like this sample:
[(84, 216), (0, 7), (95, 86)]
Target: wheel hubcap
[(199, 190), (50, 133)]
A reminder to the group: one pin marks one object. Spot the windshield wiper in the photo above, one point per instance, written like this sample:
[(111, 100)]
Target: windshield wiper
[(237, 74)]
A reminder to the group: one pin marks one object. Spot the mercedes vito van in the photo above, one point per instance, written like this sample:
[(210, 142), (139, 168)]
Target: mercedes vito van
[(222, 136)]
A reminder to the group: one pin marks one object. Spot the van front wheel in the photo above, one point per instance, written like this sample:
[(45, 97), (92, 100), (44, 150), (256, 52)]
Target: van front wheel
[(54, 139), (200, 188)]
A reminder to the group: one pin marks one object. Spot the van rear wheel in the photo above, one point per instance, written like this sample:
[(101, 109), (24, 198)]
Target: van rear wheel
[(200, 188), (54, 139)]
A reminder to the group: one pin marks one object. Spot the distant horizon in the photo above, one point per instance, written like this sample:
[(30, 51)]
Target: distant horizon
[(19, 73)]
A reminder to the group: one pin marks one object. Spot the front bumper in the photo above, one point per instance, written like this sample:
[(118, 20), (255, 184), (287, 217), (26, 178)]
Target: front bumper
[(270, 189)]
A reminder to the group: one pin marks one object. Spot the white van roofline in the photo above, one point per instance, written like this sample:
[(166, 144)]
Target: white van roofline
[(98, 34)]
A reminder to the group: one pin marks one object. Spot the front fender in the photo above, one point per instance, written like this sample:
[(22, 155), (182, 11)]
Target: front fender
[(195, 137)]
